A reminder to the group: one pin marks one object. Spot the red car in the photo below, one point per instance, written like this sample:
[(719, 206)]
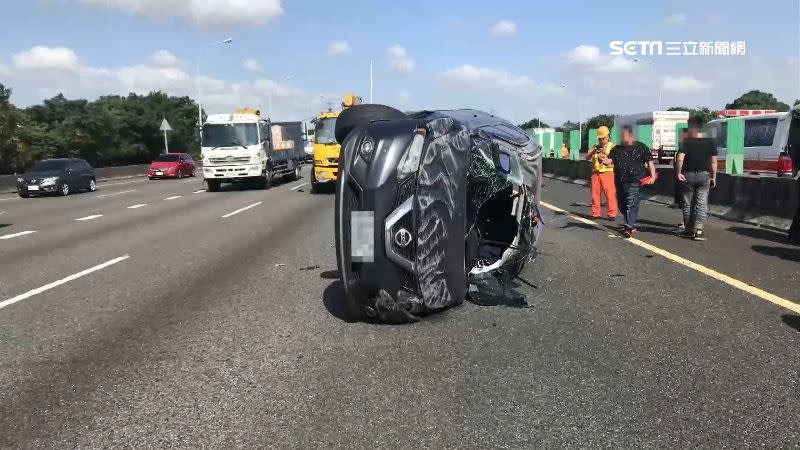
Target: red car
[(171, 165)]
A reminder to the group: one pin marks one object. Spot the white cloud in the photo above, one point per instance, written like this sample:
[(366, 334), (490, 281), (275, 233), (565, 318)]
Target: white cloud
[(503, 28), (207, 14), (399, 60), (47, 58), (683, 84), (677, 19), (590, 58), (164, 58), (42, 72), (252, 65), (338, 48), (469, 75)]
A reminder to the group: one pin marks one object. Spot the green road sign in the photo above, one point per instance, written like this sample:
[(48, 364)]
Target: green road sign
[(558, 139), (678, 127), (574, 145), (615, 131)]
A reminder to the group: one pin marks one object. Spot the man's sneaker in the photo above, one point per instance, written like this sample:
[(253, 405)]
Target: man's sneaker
[(681, 230), (699, 236), (627, 233)]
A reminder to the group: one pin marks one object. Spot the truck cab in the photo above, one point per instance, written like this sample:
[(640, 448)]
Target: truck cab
[(325, 165)]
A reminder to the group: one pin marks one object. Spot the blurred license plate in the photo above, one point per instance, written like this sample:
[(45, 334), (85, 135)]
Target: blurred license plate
[(159, 173), (362, 236), (33, 188)]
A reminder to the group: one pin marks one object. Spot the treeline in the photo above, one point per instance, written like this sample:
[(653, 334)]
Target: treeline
[(110, 131)]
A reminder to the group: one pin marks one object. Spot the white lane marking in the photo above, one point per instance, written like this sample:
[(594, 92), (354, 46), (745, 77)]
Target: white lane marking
[(125, 182), (197, 192), (241, 209), (115, 193), (729, 280), (12, 236), (75, 276), (9, 198), (173, 197), (187, 181), (94, 216), (298, 187), (137, 206), (2, 212)]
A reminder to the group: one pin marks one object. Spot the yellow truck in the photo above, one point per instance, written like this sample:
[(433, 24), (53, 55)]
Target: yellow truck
[(325, 166)]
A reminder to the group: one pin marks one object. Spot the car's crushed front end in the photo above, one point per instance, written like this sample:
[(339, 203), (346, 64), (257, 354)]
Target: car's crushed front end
[(432, 208)]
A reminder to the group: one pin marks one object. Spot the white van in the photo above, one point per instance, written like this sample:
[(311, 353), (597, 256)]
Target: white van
[(766, 136)]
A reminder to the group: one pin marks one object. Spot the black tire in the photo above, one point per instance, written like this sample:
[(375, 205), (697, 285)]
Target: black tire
[(64, 189), (213, 185), (23, 195), (361, 116), (297, 171), (180, 174), (352, 308)]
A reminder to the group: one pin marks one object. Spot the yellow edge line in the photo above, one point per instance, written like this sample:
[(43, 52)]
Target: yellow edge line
[(772, 298)]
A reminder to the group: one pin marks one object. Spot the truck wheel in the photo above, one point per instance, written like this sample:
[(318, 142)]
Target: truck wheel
[(213, 185), (297, 171), (269, 179)]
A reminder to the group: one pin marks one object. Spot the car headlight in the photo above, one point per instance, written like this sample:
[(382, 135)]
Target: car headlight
[(409, 163), (50, 180), (20, 180), (365, 149)]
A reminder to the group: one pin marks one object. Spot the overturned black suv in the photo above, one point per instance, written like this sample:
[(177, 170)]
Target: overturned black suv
[(432, 207)]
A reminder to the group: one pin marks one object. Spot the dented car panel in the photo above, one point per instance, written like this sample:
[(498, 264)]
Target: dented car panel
[(452, 196)]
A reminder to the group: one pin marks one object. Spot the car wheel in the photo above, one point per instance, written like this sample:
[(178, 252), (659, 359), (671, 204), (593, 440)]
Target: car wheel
[(213, 185), (193, 173), (150, 178), (362, 115), (23, 195), (269, 179), (180, 174), (92, 185), (64, 189)]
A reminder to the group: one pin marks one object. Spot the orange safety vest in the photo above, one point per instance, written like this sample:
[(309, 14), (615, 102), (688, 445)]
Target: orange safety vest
[(597, 165)]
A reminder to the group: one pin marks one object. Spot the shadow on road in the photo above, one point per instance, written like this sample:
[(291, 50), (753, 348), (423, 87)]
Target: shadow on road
[(3, 225), (334, 300), (656, 223), (582, 225), (791, 320), (330, 275), (789, 254), (761, 234)]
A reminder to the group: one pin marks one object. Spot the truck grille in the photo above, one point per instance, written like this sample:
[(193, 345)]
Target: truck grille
[(231, 160)]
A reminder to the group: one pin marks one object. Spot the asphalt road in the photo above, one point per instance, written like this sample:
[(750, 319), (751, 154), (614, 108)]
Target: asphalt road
[(198, 330)]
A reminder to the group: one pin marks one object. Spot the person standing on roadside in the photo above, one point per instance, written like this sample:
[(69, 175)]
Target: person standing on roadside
[(633, 162), (602, 180), (680, 229), (696, 169)]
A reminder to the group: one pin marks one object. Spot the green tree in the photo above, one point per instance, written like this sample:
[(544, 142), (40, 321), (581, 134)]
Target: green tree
[(705, 114), (595, 122), (534, 123), (757, 100), (9, 121)]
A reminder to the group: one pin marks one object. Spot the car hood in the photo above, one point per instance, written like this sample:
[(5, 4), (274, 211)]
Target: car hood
[(39, 175)]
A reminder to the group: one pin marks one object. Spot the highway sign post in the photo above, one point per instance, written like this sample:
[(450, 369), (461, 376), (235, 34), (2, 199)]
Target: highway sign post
[(165, 128)]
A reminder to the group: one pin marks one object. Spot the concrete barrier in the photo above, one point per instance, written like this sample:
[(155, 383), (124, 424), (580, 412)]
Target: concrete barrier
[(760, 200), (8, 183)]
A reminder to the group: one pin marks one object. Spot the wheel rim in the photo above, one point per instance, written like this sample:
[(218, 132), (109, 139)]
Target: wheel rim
[(65, 189), (92, 185), (180, 174)]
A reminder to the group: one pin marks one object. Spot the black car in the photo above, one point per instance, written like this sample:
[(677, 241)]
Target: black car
[(432, 207), (57, 176)]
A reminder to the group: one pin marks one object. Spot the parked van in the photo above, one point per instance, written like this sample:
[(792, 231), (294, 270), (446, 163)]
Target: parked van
[(768, 138)]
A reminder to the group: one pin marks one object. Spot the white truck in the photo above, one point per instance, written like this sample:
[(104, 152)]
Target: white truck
[(243, 147), (663, 124)]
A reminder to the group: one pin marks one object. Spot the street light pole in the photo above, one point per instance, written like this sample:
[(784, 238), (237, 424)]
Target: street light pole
[(199, 89)]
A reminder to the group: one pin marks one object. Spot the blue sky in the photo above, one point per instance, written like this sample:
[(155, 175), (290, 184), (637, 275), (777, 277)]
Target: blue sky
[(508, 56)]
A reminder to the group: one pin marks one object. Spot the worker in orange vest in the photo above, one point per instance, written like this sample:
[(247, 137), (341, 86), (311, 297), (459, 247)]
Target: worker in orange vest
[(602, 180), (564, 151)]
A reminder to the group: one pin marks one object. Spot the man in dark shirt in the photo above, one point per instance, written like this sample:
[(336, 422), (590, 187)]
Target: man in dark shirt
[(632, 161), (696, 169)]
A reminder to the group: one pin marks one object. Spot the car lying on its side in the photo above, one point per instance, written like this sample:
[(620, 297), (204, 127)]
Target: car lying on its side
[(57, 176), (432, 207), (171, 165)]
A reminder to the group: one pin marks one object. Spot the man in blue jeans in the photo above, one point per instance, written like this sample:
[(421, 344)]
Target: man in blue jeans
[(696, 170), (632, 160)]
